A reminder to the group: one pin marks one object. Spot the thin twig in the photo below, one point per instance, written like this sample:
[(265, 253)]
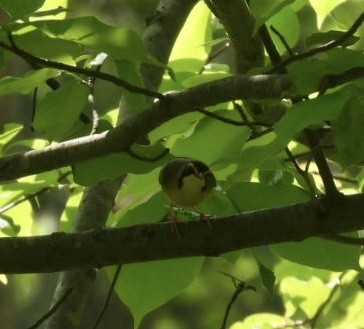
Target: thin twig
[(302, 172), (245, 119), (331, 191), (79, 70), (270, 47), (333, 80), (213, 55), (321, 308), (240, 286), (230, 121), (320, 49), (283, 40), (52, 310), (148, 159), (108, 297)]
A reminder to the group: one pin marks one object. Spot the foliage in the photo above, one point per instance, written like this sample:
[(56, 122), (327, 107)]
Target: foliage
[(259, 164)]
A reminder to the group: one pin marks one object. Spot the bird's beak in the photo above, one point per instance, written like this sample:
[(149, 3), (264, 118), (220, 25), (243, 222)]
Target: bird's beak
[(200, 175)]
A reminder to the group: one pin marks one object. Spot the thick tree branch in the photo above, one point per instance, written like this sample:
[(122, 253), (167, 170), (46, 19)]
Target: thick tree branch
[(163, 27), (120, 138), (97, 248), (238, 22)]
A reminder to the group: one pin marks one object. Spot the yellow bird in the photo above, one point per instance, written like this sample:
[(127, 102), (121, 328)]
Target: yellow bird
[(186, 182)]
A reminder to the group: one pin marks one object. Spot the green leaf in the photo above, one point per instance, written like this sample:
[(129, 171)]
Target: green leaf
[(10, 131), (8, 227), (348, 133), (320, 253), (146, 286), (321, 38), (252, 196), (261, 321), (69, 213), (264, 9), (268, 278), (38, 43), (137, 191), (59, 109), (177, 125), (117, 42), (196, 33), (135, 103), (345, 13), (26, 83), (283, 268), (307, 296), (307, 74), (312, 112), (257, 151), (212, 140), (91, 171), (20, 8), (323, 8), (274, 177), (150, 210), (287, 24)]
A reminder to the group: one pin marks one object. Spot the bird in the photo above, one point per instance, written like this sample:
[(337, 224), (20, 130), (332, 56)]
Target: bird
[(186, 182)]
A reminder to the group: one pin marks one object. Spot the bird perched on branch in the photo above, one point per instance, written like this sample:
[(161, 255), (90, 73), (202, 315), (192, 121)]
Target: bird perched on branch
[(186, 182)]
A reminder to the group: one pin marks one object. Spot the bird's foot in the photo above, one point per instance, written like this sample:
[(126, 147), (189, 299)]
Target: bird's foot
[(204, 217)]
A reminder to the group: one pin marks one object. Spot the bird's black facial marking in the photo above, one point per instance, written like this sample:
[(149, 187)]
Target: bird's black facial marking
[(188, 170), (210, 181)]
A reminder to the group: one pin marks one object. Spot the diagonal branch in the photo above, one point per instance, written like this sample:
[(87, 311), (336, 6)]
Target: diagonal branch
[(141, 243), (120, 138)]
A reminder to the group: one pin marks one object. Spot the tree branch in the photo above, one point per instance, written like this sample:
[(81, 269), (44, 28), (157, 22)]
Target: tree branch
[(94, 209), (120, 138), (163, 27), (141, 243), (238, 22)]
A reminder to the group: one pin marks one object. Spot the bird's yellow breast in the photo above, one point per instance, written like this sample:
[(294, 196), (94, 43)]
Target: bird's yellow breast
[(190, 194)]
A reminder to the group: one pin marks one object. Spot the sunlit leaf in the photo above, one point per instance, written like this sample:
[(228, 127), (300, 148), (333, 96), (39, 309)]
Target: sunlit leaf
[(323, 8), (305, 295), (10, 131), (261, 321), (196, 33)]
